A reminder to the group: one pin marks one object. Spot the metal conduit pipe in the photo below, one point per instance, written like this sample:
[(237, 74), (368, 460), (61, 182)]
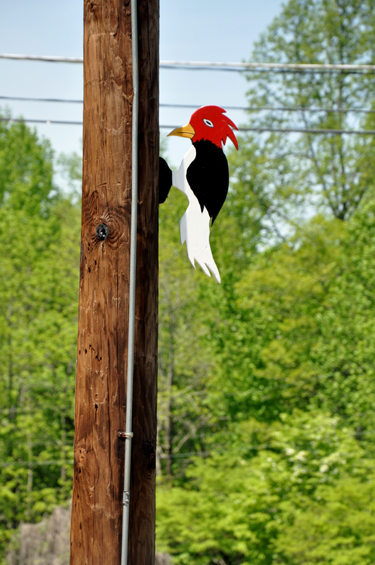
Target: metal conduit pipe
[(132, 288)]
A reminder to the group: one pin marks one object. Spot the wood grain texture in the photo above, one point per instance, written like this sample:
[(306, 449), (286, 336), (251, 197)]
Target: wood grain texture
[(104, 287)]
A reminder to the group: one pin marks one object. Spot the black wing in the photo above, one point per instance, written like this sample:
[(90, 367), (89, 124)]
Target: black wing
[(208, 177), (165, 180)]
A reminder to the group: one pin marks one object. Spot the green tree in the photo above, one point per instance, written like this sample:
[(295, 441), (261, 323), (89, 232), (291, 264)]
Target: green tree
[(287, 181), (243, 504), (290, 330), (39, 229), (295, 175), (336, 527)]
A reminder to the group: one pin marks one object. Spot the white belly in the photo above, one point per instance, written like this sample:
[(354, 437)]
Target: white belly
[(195, 224), (179, 179)]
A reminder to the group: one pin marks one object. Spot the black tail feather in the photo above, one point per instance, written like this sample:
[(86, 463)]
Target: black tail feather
[(165, 180)]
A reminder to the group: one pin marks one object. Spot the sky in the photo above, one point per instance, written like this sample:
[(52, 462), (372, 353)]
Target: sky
[(194, 30)]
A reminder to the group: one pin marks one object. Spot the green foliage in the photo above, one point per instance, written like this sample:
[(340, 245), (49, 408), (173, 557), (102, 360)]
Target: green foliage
[(243, 504), (296, 352), (26, 170), (39, 230), (266, 382), (70, 166), (336, 527), (295, 175), (287, 469)]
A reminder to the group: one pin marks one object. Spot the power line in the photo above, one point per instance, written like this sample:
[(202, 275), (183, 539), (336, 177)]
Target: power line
[(195, 106), (300, 67), (28, 99), (276, 108), (258, 69), (245, 129), (44, 58), (297, 130), (307, 130), (216, 448), (34, 463), (271, 66), (46, 122)]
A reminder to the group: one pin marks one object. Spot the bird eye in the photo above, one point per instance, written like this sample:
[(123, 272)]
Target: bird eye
[(208, 123)]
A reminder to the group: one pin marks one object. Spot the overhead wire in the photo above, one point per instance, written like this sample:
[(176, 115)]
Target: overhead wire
[(216, 448), (35, 463), (209, 65), (194, 106), (297, 130), (300, 67), (269, 66), (240, 129), (46, 122), (28, 99)]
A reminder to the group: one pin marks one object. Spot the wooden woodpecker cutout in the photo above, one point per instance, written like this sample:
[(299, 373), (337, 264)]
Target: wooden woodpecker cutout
[(203, 177)]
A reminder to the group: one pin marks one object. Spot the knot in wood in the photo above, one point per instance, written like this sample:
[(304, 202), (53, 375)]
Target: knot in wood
[(102, 232), (93, 7)]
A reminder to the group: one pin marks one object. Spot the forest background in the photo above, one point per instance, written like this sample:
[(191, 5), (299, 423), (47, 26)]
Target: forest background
[(266, 383)]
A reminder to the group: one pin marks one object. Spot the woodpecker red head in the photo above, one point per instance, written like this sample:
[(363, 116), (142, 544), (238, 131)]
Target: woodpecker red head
[(209, 123)]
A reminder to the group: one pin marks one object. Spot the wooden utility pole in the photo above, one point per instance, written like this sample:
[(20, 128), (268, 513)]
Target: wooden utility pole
[(104, 286)]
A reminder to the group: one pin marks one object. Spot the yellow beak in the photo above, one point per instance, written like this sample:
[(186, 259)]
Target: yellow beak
[(185, 131)]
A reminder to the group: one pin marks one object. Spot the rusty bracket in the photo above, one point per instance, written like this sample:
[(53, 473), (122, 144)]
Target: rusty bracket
[(125, 434)]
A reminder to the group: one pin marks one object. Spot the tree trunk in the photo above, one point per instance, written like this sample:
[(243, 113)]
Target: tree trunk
[(104, 288)]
